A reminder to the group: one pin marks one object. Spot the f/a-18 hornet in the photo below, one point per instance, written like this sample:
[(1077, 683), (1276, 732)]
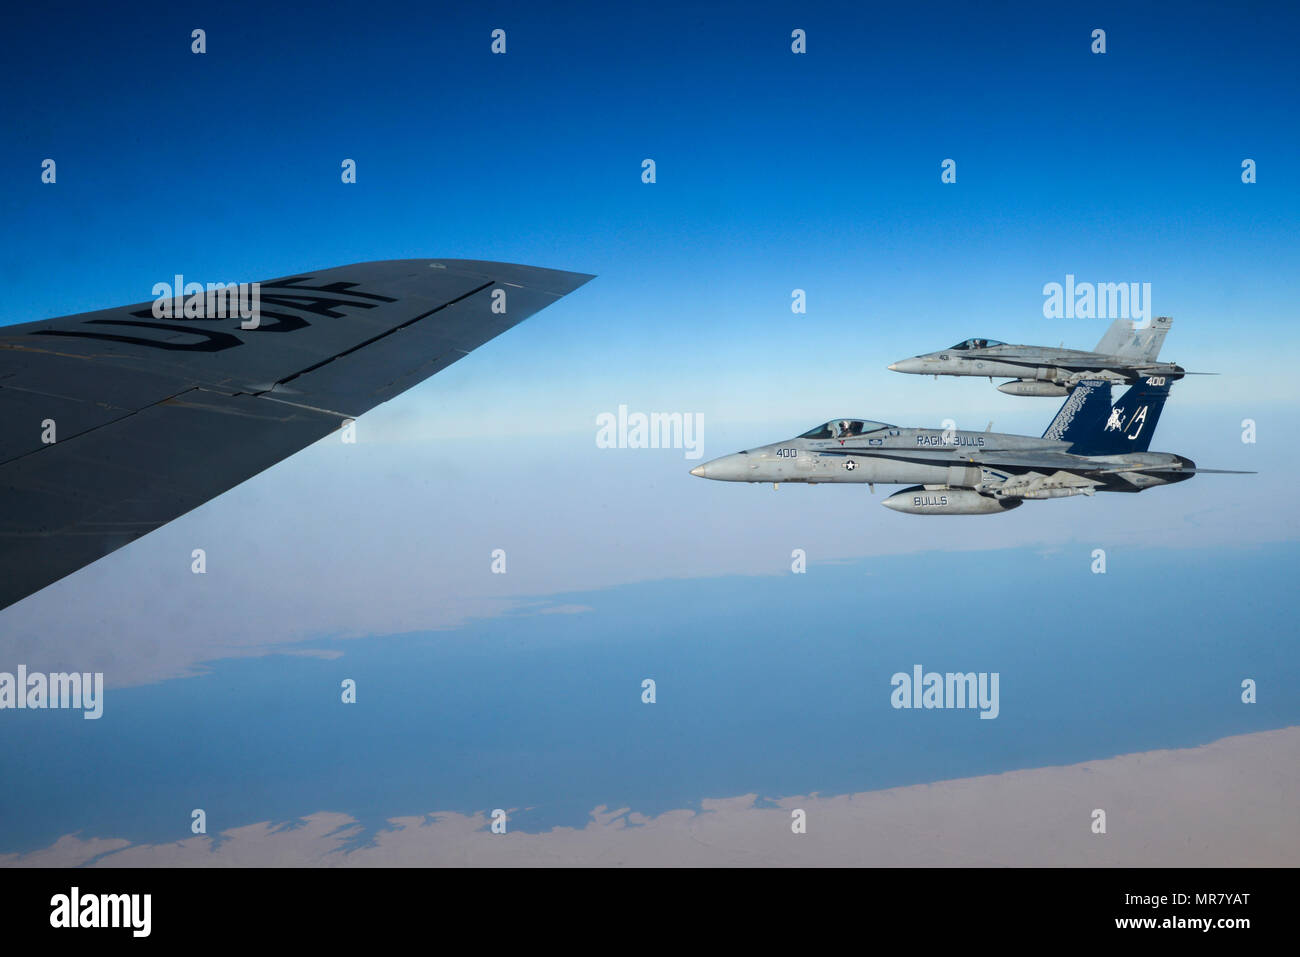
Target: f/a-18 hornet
[(1125, 354), (1091, 446)]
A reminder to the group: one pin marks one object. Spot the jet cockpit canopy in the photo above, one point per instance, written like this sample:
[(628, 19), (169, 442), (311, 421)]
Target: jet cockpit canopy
[(845, 429), (975, 344)]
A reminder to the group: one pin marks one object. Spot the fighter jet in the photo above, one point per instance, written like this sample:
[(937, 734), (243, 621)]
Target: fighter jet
[(1125, 354), (1091, 446), (113, 423)]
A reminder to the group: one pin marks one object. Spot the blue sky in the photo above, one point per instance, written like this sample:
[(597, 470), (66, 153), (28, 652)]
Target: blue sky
[(774, 172), (819, 171)]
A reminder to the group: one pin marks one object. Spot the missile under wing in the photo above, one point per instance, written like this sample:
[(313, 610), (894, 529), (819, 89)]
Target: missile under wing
[(113, 423)]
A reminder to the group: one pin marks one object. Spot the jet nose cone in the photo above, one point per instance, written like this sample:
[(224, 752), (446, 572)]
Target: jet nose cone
[(915, 364), (728, 468)]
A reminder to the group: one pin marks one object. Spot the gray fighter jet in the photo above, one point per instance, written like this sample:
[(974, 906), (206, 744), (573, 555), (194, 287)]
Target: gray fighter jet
[(1125, 354), (1091, 446), (113, 423)]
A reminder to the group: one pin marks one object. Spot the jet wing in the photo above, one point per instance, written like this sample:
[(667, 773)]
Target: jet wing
[(1045, 459), (1097, 360), (1009, 458), (1081, 465), (1031, 459), (113, 423), (1022, 461), (1079, 361)]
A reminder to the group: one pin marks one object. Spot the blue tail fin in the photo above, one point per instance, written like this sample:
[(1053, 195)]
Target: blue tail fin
[(1083, 413), (1093, 426)]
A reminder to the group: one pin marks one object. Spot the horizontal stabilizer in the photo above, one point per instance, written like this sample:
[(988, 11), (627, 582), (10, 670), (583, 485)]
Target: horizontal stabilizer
[(1174, 467), (1217, 471)]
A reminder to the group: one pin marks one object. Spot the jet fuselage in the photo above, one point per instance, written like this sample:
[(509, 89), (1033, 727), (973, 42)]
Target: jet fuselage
[(953, 471), (1058, 370)]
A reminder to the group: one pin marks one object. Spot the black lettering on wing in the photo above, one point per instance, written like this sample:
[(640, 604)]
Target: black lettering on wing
[(211, 341)]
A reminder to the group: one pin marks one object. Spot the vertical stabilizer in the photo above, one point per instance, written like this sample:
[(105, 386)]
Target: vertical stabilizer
[(1084, 411), (1125, 339), (1093, 426)]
